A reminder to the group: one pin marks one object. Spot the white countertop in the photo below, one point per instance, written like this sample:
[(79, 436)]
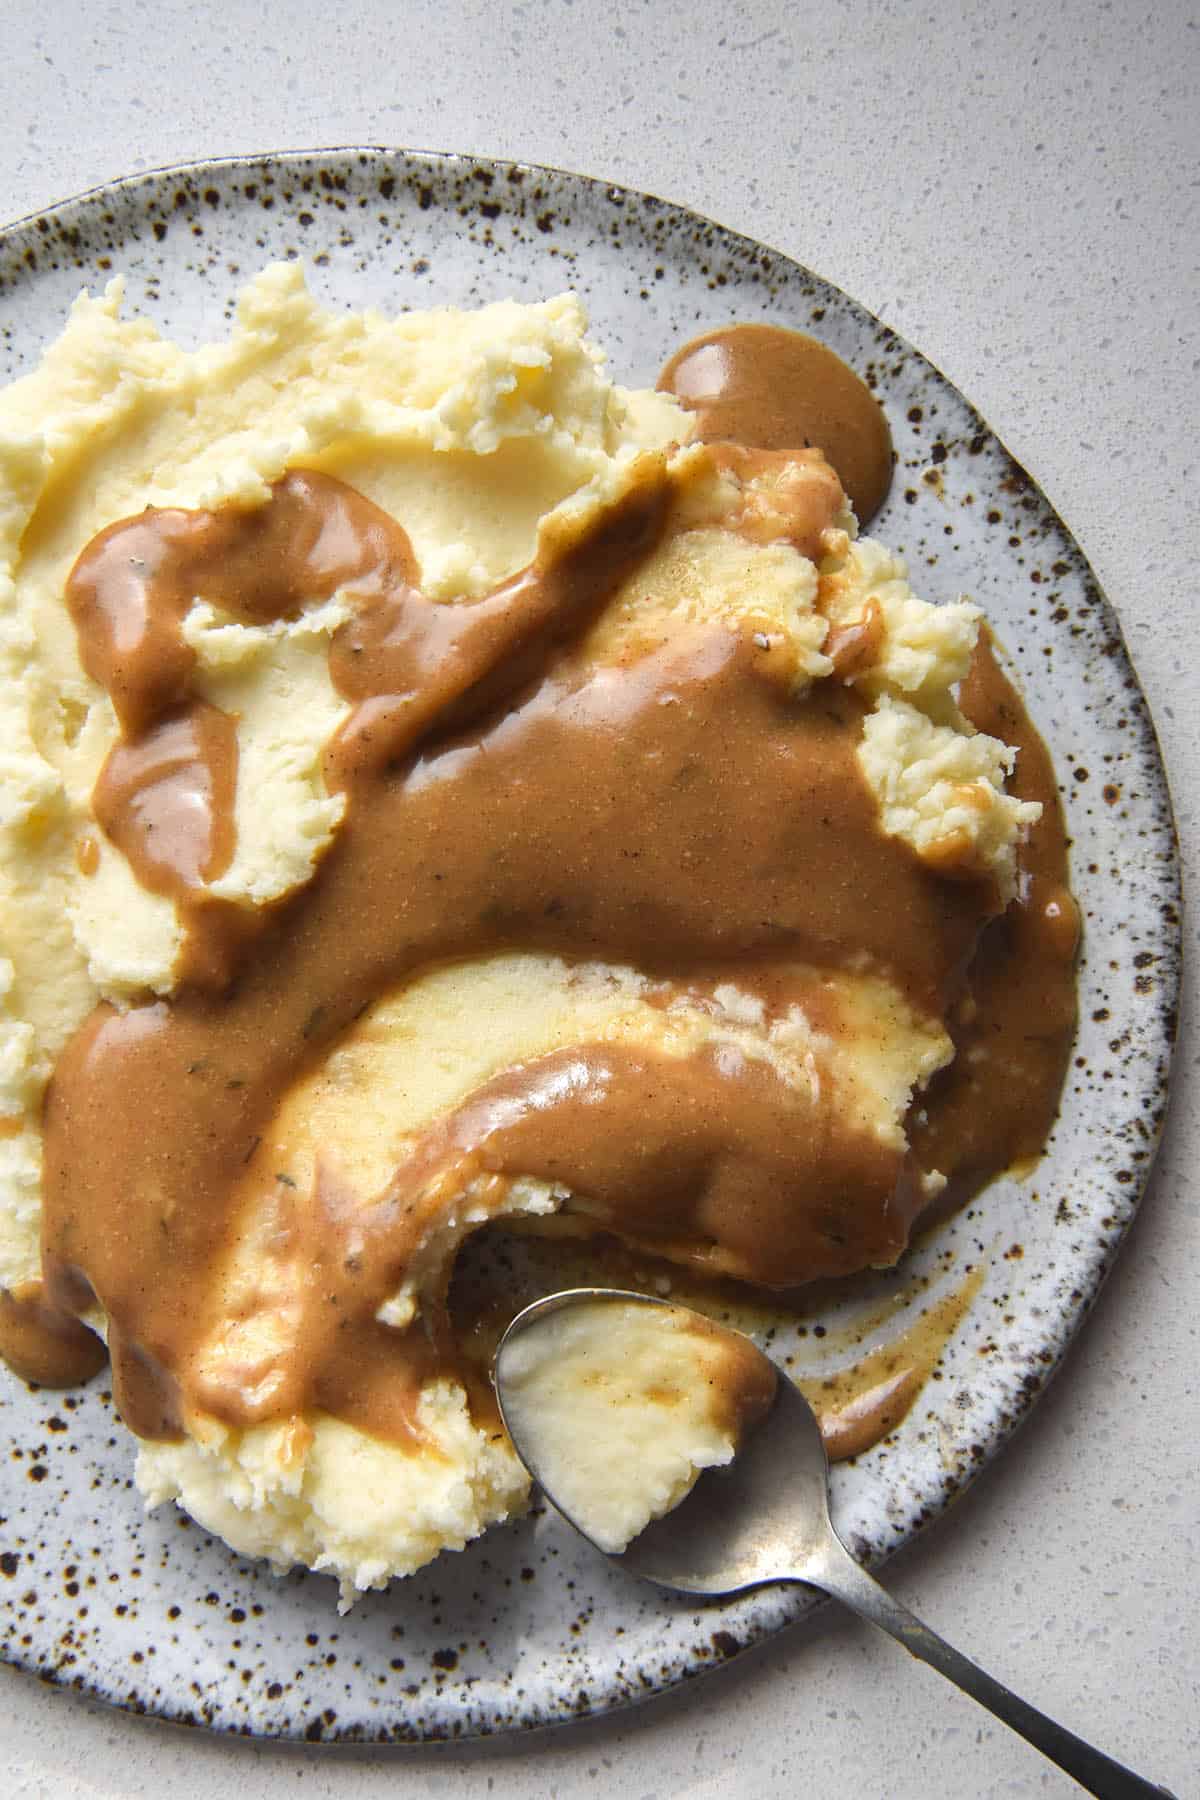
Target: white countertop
[(1014, 189)]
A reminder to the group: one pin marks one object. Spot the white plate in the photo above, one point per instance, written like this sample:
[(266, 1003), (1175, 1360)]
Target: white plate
[(529, 1625)]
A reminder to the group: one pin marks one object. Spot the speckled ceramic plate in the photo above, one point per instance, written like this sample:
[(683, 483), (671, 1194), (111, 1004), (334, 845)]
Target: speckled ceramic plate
[(528, 1625)]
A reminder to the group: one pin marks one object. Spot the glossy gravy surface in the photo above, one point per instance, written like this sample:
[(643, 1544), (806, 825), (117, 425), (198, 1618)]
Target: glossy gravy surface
[(777, 389), (680, 812)]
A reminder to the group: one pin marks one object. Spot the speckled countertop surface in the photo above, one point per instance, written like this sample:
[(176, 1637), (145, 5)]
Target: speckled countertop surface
[(1016, 193)]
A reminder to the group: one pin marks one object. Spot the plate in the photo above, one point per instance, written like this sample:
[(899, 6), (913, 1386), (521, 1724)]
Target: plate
[(528, 1625)]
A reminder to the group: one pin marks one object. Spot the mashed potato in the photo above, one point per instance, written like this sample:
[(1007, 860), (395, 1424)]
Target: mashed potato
[(620, 1406), (484, 433)]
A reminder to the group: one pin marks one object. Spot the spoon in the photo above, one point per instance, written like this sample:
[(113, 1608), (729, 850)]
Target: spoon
[(763, 1518)]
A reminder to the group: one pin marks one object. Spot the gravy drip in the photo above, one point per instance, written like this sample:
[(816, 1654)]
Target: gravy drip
[(44, 1344), (868, 1400), (993, 1108), (777, 389)]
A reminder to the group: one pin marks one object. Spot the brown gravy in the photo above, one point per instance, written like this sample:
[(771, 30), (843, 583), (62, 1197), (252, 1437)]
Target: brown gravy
[(44, 1344), (679, 812), (993, 1108), (868, 1399), (783, 390)]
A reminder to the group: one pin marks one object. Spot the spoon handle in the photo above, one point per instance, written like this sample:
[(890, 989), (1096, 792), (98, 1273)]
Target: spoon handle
[(831, 1568)]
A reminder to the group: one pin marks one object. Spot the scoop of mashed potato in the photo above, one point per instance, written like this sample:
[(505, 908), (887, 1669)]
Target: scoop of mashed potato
[(620, 1406), (477, 430)]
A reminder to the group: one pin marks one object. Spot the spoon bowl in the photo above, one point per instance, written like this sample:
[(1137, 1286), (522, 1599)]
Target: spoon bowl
[(762, 1517), (741, 1524)]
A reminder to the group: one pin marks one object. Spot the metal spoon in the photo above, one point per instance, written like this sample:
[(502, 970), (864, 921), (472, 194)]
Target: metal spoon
[(766, 1518)]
